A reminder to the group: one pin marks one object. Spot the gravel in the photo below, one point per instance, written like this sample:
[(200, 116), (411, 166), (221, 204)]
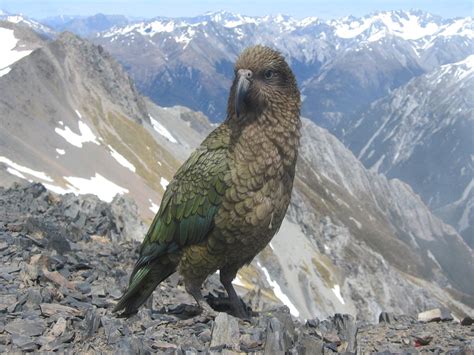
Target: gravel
[(64, 261)]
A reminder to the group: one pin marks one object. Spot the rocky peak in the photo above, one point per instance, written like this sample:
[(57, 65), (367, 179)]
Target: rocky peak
[(98, 66)]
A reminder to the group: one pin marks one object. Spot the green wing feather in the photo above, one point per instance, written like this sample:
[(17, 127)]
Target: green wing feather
[(185, 217)]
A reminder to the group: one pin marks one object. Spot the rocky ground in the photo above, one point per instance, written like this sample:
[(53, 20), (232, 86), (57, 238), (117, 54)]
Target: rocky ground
[(64, 261)]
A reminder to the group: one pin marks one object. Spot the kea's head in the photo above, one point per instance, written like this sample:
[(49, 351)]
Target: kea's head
[(263, 81)]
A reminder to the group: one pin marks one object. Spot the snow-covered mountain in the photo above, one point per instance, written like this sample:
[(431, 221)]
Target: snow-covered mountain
[(167, 56), (353, 241), (26, 21), (85, 26), (15, 43), (422, 133)]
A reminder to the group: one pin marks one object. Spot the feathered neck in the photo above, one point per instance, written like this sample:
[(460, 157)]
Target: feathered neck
[(279, 125)]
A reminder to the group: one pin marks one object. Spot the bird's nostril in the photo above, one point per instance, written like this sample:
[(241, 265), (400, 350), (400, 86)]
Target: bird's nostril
[(245, 73)]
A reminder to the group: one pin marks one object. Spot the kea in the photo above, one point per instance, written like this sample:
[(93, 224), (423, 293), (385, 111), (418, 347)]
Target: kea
[(227, 201)]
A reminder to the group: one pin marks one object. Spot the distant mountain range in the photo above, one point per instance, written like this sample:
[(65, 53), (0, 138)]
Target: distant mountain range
[(353, 241), (377, 53), (343, 66), (85, 25)]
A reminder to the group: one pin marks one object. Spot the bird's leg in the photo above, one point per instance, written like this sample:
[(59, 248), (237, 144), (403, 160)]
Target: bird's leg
[(194, 289), (236, 304)]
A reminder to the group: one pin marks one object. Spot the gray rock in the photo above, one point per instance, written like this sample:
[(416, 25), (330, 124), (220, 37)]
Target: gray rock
[(34, 298), (311, 345), (84, 287), (111, 327), (386, 317), (59, 327), (52, 309), (313, 323), (114, 292), (98, 290), (248, 342), (5, 339), (25, 343), (347, 331), (275, 338), (70, 322), (49, 234), (91, 322), (284, 316), (125, 216), (58, 343), (7, 301), (205, 336), (26, 327), (225, 332)]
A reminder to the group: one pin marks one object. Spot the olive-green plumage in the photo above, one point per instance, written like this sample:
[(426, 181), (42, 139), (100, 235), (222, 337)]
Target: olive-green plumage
[(229, 198)]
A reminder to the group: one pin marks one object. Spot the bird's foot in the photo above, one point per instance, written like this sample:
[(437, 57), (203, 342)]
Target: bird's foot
[(206, 310), (241, 310), (238, 308)]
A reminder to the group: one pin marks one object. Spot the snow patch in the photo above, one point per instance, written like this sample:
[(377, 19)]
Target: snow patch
[(353, 29), (96, 185), (164, 183), (461, 27), (162, 130), (337, 291), (58, 189), (25, 170), (60, 151), (121, 159), (238, 282), (153, 206), (377, 36), (279, 293), (465, 67), (357, 223), (432, 257), (5, 71), (144, 28), (16, 173), (464, 220), (406, 26), (86, 135), (8, 54), (186, 37), (375, 135)]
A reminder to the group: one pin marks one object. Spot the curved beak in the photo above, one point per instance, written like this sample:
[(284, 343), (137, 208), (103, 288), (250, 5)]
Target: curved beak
[(242, 89)]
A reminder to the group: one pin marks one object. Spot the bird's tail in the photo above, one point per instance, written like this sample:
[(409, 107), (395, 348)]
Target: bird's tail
[(142, 283)]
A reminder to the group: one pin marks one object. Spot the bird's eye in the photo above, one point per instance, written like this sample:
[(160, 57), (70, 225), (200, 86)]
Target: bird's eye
[(268, 74)]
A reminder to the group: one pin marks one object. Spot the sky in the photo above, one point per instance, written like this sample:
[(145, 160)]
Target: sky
[(174, 8)]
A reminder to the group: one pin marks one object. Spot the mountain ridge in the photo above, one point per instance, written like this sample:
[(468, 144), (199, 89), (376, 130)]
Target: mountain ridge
[(421, 134)]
